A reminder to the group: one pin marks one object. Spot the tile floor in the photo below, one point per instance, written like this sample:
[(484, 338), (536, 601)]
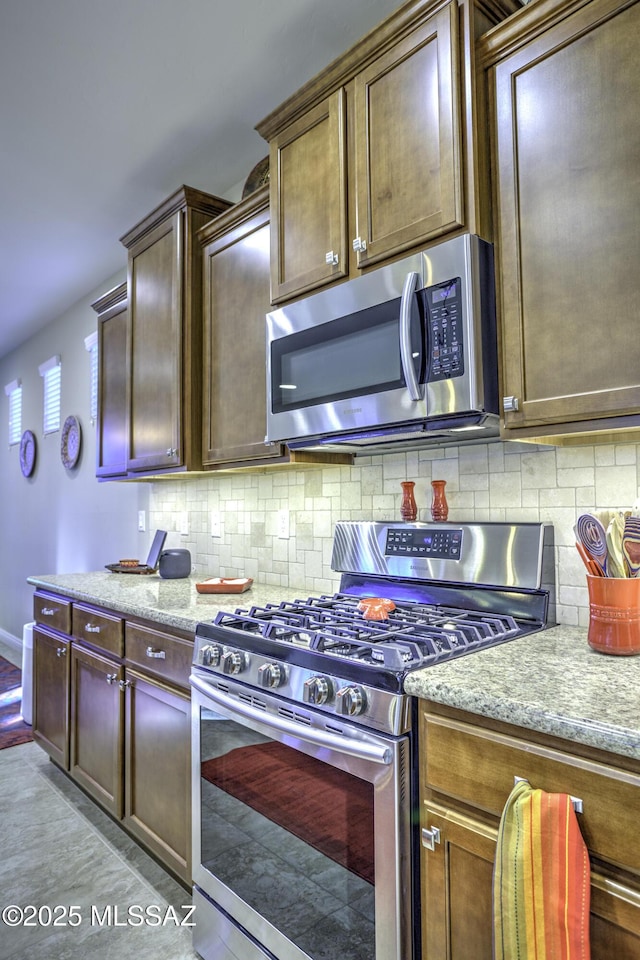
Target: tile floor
[(58, 849)]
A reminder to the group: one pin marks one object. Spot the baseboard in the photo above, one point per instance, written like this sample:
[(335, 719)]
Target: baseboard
[(10, 640)]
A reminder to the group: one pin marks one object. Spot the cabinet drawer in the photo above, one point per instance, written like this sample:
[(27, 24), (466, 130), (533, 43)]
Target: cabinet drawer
[(52, 611), (159, 653), (100, 629), (478, 766)]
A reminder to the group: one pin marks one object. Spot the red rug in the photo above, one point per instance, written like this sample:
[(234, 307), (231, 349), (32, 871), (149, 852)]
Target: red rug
[(13, 729), (304, 796)]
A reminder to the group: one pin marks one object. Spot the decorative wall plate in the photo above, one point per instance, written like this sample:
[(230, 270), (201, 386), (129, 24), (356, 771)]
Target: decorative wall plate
[(258, 177), (70, 442), (28, 448)]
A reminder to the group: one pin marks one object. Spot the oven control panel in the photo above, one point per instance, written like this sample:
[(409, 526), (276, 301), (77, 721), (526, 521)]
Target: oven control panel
[(428, 542)]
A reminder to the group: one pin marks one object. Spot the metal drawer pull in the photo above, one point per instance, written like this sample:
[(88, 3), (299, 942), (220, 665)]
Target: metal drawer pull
[(156, 654), (48, 612), (61, 651), (576, 802), (112, 677), (88, 628), (430, 837)]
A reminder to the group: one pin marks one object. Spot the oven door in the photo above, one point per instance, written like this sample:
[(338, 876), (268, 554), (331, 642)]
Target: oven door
[(302, 845)]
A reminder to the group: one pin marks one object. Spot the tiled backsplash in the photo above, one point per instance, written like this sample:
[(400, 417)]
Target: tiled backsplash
[(495, 481)]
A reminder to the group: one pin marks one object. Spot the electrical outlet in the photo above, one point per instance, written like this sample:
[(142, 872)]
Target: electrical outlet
[(142, 521), (216, 524), (183, 524), (283, 524)]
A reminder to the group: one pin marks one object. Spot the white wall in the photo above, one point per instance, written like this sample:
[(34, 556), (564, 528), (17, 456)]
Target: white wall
[(58, 521)]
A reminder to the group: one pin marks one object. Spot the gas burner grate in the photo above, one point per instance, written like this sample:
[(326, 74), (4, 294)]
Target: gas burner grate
[(414, 634)]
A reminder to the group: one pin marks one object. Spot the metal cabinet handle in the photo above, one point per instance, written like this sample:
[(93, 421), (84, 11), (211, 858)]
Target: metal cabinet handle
[(124, 684), (48, 612), (576, 802), (172, 451), (510, 404), (111, 677), (408, 369), (61, 651), (156, 654), (430, 837), (90, 628), (331, 258), (359, 245)]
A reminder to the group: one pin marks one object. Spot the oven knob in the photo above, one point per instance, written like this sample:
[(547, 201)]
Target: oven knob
[(317, 690), (233, 662), (210, 654), (351, 701), (272, 675)]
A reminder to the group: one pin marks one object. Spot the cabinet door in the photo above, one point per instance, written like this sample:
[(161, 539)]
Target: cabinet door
[(111, 433), (409, 171), (158, 770), (309, 201), (457, 887), (51, 694), (155, 347), (96, 727), (457, 895), (567, 145), (236, 292)]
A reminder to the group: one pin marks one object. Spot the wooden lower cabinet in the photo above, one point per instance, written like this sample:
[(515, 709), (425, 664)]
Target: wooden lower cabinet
[(466, 775), (95, 729), (51, 694), (120, 725), (158, 769)]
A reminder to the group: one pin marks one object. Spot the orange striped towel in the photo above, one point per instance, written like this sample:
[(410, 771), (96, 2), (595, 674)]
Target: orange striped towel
[(541, 880)]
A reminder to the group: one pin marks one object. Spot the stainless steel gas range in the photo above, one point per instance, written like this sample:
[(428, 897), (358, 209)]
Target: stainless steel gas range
[(304, 790)]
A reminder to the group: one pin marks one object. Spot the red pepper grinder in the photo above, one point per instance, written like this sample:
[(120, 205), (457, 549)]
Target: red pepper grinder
[(439, 505), (408, 508)]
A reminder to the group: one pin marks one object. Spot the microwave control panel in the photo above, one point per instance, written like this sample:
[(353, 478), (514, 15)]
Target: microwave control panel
[(429, 543), (444, 321)]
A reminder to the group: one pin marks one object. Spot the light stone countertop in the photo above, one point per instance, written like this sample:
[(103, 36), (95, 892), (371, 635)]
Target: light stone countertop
[(173, 603), (551, 682)]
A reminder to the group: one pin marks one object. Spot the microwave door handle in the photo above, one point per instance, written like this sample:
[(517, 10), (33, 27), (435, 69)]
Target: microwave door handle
[(409, 289)]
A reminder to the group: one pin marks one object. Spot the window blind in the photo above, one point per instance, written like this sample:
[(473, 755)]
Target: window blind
[(50, 371), (14, 391), (91, 345)]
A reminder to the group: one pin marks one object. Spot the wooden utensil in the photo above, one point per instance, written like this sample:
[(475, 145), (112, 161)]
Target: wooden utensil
[(592, 567), (592, 535), (631, 545), (615, 561)]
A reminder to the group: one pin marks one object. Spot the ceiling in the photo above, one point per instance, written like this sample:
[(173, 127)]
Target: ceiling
[(108, 107)]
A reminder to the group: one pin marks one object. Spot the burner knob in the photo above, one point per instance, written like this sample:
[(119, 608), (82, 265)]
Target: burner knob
[(233, 662), (351, 701), (317, 690), (272, 675), (210, 654)]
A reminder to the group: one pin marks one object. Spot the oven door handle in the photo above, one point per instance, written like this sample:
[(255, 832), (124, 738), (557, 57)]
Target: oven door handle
[(408, 369), (378, 753)]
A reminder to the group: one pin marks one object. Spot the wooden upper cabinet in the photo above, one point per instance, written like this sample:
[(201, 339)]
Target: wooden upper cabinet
[(565, 89), (380, 153), (309, 230), (112, 423), (164, 353), (407, 144), (236, 300)]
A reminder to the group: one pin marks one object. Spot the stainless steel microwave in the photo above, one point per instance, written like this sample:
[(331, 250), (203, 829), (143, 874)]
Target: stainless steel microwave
[(401, 356)]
